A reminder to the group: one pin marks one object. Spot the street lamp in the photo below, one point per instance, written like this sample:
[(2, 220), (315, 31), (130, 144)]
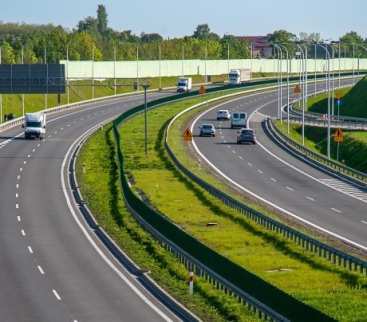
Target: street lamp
[(327, 56), (288, 82), (301, 54), (23, 100), (280, 80), (145, 86)]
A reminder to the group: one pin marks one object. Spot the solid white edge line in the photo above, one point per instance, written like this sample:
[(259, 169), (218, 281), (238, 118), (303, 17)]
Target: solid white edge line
[(91, 241), (236, 184)]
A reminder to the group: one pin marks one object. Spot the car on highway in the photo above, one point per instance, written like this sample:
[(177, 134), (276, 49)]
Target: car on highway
[(207, 130), (239, 120), (223, 115), (246, 136)]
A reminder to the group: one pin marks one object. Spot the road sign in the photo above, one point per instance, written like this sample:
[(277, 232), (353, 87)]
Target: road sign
[(202, 90), (32, 79), (338, 95), (338, 136), (187, 135), (297, 89)]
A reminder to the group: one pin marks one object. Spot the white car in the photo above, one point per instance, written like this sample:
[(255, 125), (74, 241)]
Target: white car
[(223, 115)]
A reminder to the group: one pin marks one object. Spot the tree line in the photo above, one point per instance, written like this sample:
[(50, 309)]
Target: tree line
[(92, 38)]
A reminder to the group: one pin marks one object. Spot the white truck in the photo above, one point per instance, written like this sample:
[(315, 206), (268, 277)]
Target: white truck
[(34, 125), (184, 85), (238, 76)]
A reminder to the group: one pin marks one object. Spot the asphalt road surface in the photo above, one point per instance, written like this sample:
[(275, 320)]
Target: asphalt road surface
[(279, 179), (49, 269)]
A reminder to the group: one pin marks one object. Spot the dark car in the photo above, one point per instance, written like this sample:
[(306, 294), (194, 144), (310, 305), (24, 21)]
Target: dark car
[(246, 136)]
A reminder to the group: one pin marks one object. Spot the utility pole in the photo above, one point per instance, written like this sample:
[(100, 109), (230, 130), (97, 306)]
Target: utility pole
[(182, 60), (67, 74), (160, 65), (327, 57), (45, 61), (114, 69), (93, 72), (301, 54), (145, 86), (1, 95), (23, 99), (137, 68)]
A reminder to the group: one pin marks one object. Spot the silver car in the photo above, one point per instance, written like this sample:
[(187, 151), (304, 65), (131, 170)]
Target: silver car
[(223, 115), (207, 130)]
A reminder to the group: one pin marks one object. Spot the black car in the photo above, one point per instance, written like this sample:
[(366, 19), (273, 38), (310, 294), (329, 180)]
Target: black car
[(246, 136)]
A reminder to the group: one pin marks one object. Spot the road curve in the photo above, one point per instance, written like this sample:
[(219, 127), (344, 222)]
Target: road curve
[(281, 180), (49, 270)]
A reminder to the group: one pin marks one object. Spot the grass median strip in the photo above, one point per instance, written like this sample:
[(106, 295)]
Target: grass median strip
[(352, 151), (305, 276), (98, 178)]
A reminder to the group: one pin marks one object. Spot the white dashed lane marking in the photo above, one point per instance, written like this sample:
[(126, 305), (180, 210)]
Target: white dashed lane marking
[(310, 198), (30, 249), (19, 219), (274, 180), (23, 233), (58, 297), (259, 171), (364, 222), (41, 270), (336, 210), (289, 188)]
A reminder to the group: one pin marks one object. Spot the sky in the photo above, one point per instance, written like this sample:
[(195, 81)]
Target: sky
[(331, 18)]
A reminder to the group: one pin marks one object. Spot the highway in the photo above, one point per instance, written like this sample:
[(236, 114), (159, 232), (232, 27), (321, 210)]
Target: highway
[(270, 174), (50, 269)]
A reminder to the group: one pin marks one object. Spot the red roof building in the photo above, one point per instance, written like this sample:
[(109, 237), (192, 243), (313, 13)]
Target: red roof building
[(261, 47)]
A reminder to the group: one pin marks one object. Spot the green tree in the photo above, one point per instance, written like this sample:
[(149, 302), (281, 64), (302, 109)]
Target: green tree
[(102, 19), (353, 40), (88, 24), (202, 32), (7, 53), (285, 38)]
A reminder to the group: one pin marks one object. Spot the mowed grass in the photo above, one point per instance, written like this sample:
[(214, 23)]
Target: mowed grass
[(98, 178), (352, 152), (353, 101), (336, 292)]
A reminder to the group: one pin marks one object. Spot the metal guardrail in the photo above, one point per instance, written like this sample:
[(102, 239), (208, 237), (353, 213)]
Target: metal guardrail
[(342, 124), (355, 176), (333, 255), (177, 308), (266, 300)]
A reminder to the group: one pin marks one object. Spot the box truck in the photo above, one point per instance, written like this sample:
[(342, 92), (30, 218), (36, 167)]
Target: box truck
[(184, 84), (238, 76)]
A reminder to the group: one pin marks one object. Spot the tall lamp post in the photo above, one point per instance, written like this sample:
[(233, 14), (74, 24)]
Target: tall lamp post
[(288, 84), (280, 56), (23, 99), (145, 86), (1, 95), (301, 54), (327, 57)]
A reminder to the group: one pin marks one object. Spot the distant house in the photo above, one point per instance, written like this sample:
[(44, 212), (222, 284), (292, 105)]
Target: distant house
[(261, 46)]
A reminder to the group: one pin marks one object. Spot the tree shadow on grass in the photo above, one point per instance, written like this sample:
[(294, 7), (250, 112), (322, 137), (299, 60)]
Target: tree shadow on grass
[(113, 180), (350, 279)]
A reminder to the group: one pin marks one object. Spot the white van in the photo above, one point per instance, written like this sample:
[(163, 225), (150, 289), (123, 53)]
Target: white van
[(238, 120), (34, 125)]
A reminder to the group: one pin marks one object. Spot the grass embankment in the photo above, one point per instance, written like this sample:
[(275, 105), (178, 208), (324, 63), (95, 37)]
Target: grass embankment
[(98, 178), (353, 102), (304, 275), (352, 152)]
